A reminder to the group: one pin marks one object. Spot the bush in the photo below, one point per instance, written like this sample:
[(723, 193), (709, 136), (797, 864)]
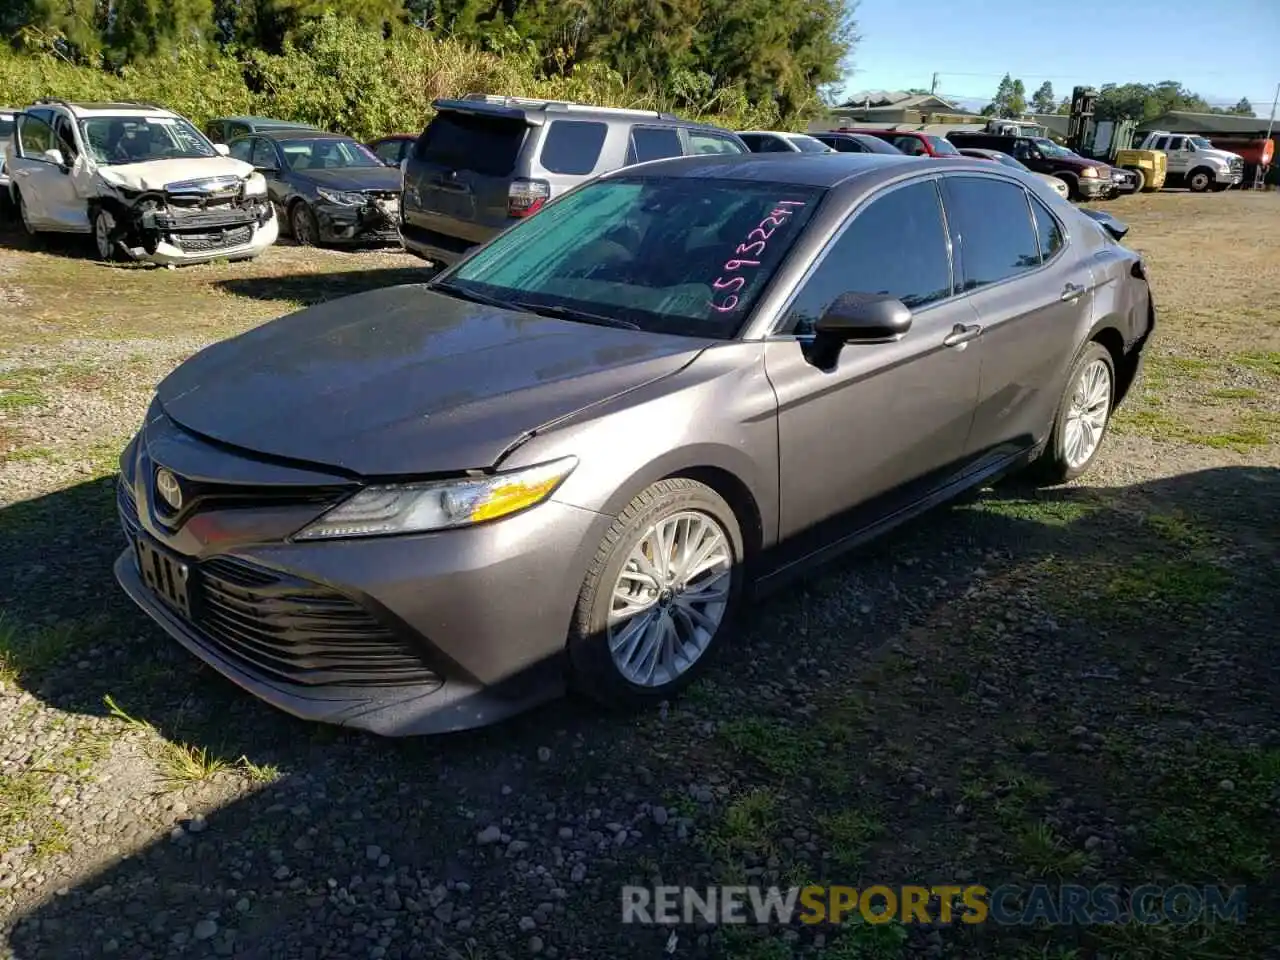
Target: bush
[(339, 75)]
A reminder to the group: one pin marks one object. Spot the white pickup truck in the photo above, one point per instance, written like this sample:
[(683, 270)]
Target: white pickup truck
[(1194, 162)]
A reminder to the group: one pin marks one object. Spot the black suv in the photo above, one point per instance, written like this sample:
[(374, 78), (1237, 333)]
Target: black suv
[(485, 162)]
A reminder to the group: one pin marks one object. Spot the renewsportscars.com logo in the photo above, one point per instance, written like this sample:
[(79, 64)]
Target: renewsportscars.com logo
[(1011, 905)]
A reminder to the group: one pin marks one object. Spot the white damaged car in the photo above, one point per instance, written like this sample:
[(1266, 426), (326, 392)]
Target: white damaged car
[(141, 180)]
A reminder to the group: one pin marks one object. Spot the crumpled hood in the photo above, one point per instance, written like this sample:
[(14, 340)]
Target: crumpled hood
[(157, 174), (405, 381)]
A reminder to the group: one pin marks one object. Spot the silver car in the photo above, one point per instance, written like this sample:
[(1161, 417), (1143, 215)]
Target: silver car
[(569, 460)]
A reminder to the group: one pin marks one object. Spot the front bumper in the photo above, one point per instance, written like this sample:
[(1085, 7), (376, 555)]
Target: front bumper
[(174, 252), (350, 224), (1096, 189), (476, 618), (1229, 178)]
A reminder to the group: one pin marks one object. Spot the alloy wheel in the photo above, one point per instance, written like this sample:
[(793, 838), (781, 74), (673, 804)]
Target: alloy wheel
[(303, 235), (1087, 415), (670, 598), (104, 225)]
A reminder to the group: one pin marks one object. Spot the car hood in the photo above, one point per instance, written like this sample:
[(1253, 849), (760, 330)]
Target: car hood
[(406, 381), (158, 174), (354, 178)]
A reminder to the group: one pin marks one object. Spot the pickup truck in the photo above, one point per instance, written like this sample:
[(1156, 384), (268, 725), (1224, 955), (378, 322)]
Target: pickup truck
[(1085, 179), (1194, 162)]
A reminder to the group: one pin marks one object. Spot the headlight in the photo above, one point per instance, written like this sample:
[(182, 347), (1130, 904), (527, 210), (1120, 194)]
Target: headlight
[(255, 185), (383, 510), (1089, 173), (341, 197)]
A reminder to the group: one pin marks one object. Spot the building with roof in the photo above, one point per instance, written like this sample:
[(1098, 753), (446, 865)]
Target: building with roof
[(1208, 124), (888, 108)]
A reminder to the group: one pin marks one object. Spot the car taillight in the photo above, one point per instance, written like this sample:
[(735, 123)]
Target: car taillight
[(527, 197)]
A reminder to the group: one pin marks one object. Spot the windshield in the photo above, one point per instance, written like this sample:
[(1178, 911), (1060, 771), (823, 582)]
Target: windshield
[(1201, 143), (675, 255), (112, 140), (1048, 148), (809, 144), (327, 153), (942, 148)]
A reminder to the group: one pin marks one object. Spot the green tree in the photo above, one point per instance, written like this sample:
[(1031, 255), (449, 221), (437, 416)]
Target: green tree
[(1043, 100), (1244, 108), (1010, 100)]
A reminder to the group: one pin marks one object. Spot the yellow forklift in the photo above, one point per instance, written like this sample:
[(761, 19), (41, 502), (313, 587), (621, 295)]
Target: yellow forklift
[(1110, 141)]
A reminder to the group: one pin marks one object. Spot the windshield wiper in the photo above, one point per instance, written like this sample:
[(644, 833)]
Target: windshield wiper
[(569, 313), (474, 296)]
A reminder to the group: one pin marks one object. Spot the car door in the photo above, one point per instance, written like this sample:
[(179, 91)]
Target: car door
[(42, 183), (1033, 295), (267, 161), (890, 419)]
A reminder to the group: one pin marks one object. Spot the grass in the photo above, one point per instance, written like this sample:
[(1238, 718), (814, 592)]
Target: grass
[(848, 835), (27, 649), (181, 764), (1045, 854)]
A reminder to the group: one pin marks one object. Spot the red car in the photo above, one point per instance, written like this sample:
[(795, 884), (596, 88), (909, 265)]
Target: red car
[(392, 148), (912, 142)]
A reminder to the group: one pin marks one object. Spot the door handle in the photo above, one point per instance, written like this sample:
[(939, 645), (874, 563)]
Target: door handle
[(1071, 291), (962, 333)]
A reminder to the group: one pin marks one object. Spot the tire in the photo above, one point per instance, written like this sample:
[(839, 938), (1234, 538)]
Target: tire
[(1139, 179), (620, 682), (24, 217), (1057, 464), (103, 230), (303, 225), (1073, 185), (1199, 180)]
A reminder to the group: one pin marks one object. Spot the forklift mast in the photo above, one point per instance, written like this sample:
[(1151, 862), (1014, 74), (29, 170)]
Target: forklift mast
[(1080, 125)]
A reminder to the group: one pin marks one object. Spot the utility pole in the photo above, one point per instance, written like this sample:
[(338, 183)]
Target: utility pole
[(1270, 126), (933, 87)]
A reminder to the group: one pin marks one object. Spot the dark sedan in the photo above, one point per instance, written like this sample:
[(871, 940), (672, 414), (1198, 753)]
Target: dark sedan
[(856, 143), (326, 188), (570, 458)]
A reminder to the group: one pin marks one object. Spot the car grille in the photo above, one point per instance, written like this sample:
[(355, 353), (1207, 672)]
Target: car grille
[(285, 628), (197, 242), (298, 631)]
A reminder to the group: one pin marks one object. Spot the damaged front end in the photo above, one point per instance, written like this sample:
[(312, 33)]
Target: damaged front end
[(366, 216), (190, 221)]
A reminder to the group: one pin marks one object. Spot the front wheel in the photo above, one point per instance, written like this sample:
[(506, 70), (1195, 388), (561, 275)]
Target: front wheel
[(306, 231), (24, 217), (658, 596), (104, 235), (1139, 179), (1199, 181), (1084, 413)]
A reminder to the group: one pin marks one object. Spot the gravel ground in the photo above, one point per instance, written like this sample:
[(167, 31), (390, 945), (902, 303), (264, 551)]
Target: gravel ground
[(1075, 685)]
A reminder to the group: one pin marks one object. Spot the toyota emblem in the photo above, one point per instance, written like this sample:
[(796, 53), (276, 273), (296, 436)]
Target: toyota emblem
[(169, 489)]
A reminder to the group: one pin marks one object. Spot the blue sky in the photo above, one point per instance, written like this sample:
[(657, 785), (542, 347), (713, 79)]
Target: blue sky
[(1221, 51)]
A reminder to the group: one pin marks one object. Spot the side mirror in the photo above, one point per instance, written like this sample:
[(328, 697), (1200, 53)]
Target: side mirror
[(859, 318), (222, 149), (54, 155)]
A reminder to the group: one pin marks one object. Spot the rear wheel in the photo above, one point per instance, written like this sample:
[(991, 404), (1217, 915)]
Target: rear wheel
[(1139, 179), (658, 596), (1084, 413)]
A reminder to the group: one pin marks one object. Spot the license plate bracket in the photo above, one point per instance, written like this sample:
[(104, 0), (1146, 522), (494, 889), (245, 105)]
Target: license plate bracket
[(167, 577)]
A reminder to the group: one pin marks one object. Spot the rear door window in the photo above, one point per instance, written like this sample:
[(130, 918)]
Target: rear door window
[(701, 142), (997, 233), (465, 141), (653, 143), (388, 151), (573, 146)]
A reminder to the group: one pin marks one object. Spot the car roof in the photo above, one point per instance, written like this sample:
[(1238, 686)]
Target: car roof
[(107, 108), (801, 169), (300, 133), (540, 111), (262, 121)]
